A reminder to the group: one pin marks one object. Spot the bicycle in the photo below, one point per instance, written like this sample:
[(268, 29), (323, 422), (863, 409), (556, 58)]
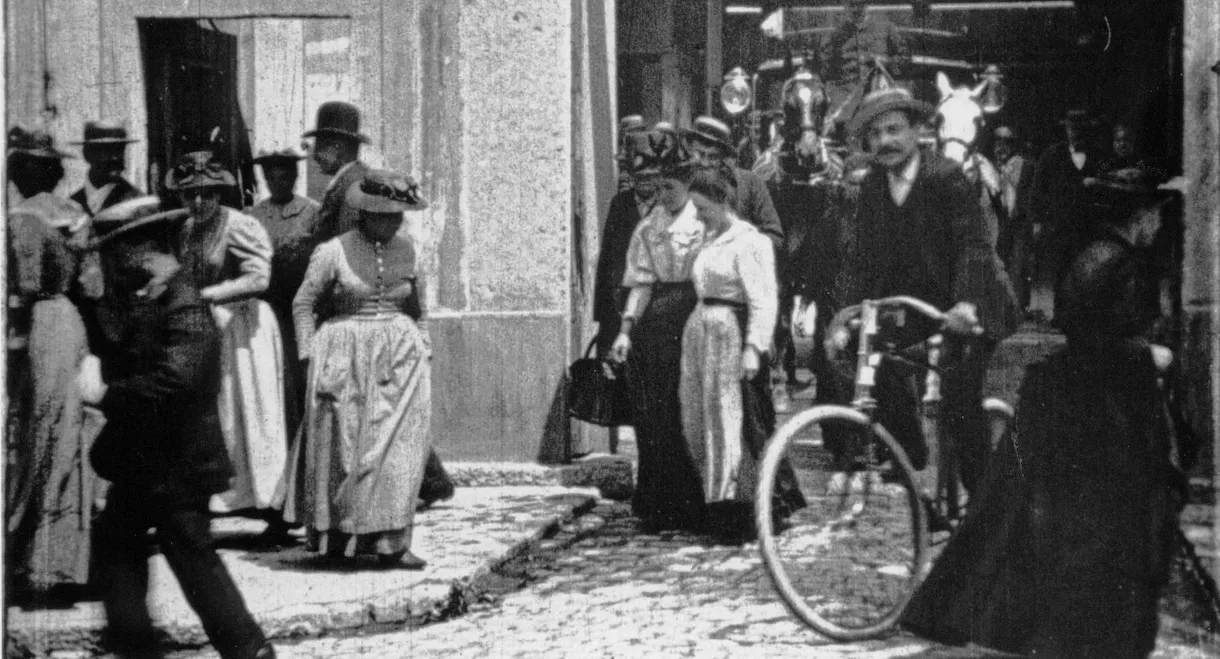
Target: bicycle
[(868, 535)]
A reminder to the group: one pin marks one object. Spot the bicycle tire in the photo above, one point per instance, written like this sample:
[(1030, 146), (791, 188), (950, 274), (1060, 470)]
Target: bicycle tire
[(879, 620)]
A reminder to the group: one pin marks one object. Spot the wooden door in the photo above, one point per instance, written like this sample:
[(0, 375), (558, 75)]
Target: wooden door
[(190, 73)]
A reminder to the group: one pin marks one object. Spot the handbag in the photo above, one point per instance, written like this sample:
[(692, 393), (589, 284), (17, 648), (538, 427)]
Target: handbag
[(595, 396)]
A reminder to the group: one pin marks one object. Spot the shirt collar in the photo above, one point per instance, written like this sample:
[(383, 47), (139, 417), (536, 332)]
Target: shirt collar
[(334, 180), (908, 173)]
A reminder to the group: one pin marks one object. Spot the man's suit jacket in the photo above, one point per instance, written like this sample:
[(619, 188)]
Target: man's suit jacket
[(1058, 204), (336, 217), (122, 191), (752, 202), (162, 433), (943, 217)]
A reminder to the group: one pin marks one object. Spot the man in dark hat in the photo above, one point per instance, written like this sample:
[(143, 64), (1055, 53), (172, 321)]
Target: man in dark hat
[(1056, 201), (1016, 180), (627, 126), (163, 451), (105, 149), (337, 140), (921, 233)]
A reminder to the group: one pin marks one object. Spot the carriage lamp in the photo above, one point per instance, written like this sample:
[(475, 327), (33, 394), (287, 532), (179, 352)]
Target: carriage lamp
[(995, 93), (736, 93)]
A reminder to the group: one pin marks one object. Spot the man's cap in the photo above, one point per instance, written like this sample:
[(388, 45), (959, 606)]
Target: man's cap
[(198, 169), (384, 191), (876, 103), (34, 143), (338, 118), (1079, 117), (711, 130), (102, 133), (1004, 133), (631, 123)]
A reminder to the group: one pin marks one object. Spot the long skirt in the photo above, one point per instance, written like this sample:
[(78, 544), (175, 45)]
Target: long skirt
[(1066, 548), (251, 405), (360, 462), (727, 421), (668, 491), (51, 486)]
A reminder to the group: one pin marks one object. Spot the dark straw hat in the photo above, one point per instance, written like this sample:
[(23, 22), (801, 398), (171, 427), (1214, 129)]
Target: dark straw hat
[(135, 219), (384, 191), (33, 143), (876, 103), (284, 156), (338, 118), (103, 133), (198, 169), (659, 152)]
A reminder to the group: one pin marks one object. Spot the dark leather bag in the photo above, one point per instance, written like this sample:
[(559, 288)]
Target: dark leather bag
[(593, 396)]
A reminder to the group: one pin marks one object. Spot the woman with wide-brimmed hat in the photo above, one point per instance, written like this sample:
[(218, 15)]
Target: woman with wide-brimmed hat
[(365, 437), (50, 488), (229, 255), (663, 247), (1065, 550)]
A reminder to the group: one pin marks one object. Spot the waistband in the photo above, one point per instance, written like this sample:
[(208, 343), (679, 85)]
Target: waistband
[(722, 302)]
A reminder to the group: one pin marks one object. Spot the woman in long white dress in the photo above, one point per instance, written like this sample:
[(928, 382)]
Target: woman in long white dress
[(726, 407), (229, 254)]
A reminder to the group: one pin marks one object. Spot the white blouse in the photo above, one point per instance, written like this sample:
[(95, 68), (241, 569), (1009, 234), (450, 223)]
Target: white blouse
[(739, 265), (663, 247)]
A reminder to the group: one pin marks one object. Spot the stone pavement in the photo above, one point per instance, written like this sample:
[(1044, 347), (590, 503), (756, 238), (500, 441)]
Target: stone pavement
[(600, 589), (294, 593)]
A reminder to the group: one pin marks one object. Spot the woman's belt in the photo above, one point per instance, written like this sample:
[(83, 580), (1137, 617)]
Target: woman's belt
[(672, 286), (722, 302)]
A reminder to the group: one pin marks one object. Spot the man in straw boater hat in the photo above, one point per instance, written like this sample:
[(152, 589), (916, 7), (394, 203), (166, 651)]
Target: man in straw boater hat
[(105, 149), (1057, 200), (336, 149), (921, 233), (163, 451), (290, 220)]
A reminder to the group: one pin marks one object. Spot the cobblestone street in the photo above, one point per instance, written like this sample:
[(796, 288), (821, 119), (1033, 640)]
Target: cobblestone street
[(598, 588)]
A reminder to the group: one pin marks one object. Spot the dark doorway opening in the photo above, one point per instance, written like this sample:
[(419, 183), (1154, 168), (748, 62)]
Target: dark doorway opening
[(191, 92)]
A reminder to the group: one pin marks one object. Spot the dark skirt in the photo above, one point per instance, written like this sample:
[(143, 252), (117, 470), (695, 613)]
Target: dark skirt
[(1065, 549), (668, 492)]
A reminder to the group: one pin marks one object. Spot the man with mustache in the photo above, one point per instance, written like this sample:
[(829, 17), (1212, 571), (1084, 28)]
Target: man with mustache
[(105, 149), (921, 233)]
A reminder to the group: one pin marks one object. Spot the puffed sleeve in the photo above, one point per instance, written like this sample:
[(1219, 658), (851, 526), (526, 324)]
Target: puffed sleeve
[(318, 279), (248, 241), (641, 270), (756, 267)]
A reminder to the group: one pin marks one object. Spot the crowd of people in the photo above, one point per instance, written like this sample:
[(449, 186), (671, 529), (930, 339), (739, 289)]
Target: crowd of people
[(271, 363), (687, 300)]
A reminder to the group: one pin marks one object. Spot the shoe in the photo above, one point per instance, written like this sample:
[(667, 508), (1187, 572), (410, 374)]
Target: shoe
[(265, 652), (403, 561), (429, 496)]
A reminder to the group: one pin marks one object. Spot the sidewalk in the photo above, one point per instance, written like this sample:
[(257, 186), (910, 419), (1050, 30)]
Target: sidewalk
[(294, 593)]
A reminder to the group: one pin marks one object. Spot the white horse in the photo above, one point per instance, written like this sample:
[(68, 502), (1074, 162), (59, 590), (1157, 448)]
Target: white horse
[(960, 117)]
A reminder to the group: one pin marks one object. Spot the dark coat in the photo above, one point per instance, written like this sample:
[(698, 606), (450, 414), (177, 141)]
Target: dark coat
[(162, 431), (121, 192), (1058, 204), (751, 200), (335, 217), (1065, 550), (942, 221), (609, 296)]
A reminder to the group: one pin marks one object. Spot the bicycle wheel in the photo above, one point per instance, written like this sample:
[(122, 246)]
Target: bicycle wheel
[(849, 562)]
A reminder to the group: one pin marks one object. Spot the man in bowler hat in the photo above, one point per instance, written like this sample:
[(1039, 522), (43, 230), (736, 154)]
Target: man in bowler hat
[(163, 451), (337, 140)]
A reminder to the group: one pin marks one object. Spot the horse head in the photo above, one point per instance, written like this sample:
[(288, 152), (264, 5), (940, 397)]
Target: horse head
[(959, 118), (805, 103)]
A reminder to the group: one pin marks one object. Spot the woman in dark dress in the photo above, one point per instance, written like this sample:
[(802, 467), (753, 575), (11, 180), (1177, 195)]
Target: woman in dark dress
[(668, 493), (1066, 549)]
